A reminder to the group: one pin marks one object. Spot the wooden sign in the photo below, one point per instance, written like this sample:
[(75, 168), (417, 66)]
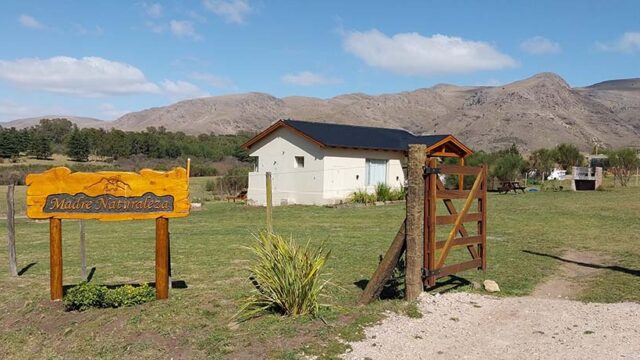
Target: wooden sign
[(59, 194), (108, 195)]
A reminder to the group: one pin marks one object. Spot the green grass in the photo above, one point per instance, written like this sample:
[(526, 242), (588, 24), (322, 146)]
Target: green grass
[(196, 322)]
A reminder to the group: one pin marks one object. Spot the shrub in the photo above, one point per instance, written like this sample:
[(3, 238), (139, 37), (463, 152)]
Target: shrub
[(286, 276), (210, 186), (383, 192), (84, 296), (362, 197), (128, 295), (398, 194)]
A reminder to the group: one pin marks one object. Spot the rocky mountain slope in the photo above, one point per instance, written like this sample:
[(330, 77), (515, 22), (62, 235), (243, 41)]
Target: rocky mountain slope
[(540, 111)]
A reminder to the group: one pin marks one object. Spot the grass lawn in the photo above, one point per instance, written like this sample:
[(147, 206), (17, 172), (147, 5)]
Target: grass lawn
[(207, 254)]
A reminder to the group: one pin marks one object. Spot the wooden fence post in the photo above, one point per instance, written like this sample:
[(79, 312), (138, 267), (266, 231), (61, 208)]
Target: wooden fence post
[(11, 229), (55, 249), (415, 209), (83, 252), (162, 258), (269, 204)]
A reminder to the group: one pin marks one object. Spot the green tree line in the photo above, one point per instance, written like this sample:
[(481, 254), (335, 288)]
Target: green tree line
[(62, 136)]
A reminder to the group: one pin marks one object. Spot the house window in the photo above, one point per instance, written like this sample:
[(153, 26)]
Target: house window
[(299, 162), (376, 171)]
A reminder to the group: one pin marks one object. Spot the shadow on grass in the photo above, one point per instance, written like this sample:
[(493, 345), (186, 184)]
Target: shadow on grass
[(594, 266), (394, 289), (175, 284), (26, 268)]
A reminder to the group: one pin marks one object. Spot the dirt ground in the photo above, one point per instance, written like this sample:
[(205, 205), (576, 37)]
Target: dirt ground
[(545, 325), (472, 326)]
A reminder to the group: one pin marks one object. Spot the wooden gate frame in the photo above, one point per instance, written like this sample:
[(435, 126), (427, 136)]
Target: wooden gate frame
[(416, 235), (434, 190)]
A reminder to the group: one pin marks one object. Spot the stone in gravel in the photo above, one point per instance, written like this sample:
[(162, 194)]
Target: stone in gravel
[(491, 286), (476, 285)]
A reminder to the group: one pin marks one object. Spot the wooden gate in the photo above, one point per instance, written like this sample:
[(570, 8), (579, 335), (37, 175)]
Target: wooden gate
[(436, 251)]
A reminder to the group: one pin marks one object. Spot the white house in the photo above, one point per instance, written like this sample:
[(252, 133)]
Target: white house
[(322, 163)]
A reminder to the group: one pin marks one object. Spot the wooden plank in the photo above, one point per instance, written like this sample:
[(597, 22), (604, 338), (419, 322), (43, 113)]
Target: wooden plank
[(471, 240), (452, 210), (162, 258), (460, 170), (450, 219), (83, 252), (385, 268), (456, 225), (456, 268), (108, 195), (455, 194), (55, 250), (461, 176), (415, 210)]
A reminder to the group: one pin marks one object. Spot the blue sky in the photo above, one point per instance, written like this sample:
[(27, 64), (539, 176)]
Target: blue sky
[(103, 59)]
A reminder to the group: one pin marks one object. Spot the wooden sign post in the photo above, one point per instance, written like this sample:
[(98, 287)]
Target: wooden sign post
[(60, 194)]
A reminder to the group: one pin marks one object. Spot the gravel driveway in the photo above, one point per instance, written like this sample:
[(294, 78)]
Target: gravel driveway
[(472, 326)]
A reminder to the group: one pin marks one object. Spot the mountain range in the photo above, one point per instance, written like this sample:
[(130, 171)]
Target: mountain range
[(540, 111)]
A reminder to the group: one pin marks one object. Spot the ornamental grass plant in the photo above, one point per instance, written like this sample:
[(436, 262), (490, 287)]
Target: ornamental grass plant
[(287, 277)]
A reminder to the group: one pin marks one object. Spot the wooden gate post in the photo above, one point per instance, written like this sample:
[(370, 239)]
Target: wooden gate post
[(414, 235), (269, 195), (55, 249), (430, 223), (83, 252), (162, 258)]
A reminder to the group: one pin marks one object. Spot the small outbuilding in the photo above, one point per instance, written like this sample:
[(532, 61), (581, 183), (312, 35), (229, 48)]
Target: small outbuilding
[(323, 163)]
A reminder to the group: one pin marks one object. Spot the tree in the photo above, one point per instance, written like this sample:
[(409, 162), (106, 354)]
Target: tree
[(621, 163), (78, 147), (568, 155), (508, 167), (542, 161), (40, 146)]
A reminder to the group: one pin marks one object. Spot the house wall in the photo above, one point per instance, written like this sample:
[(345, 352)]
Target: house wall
[(329, 175), (345, 171), (291, 185)]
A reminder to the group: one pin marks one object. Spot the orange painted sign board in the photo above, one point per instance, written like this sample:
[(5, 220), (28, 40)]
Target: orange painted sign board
[(108, 195)]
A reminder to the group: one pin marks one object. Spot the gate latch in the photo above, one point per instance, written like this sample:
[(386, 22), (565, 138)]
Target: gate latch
[(431, 170)]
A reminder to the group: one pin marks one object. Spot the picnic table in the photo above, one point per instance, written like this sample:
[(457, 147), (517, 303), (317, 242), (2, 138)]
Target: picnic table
[(242, 196), (512, 186)]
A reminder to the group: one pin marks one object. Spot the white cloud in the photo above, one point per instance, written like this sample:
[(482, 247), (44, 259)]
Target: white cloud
[(88, 76), (233, 11), (629, 42), (212, 80), (184, 29), (11, 110), (180, 90), (307, 78), (153, 10), (539, 45), (414, 54), (29, 22)]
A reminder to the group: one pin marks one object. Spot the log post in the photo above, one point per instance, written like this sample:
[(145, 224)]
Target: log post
[(385, 268), (162, 258), (55, 249), (415, 210), (83, 252), (11, 229), (269, 194)]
